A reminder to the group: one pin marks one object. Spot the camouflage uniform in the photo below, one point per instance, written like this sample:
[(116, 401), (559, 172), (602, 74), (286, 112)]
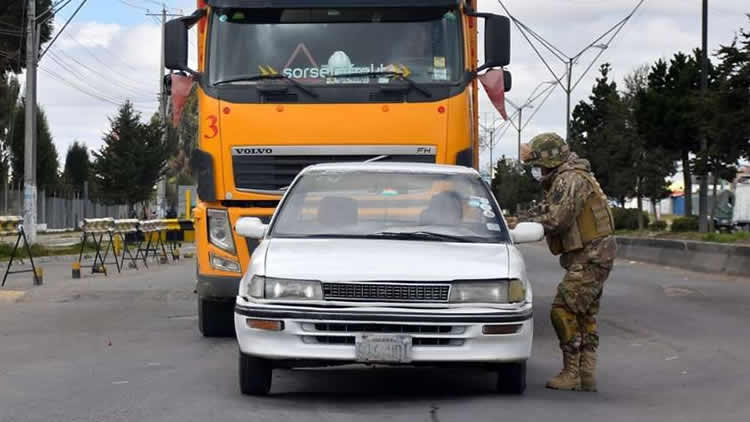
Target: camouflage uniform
[(578, 225)]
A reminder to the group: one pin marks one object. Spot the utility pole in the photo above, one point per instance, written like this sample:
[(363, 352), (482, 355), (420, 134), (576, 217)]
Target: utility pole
[(703, 194), (30, 135), (161, 187)]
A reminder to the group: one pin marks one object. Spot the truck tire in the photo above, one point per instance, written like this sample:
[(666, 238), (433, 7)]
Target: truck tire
[(511, 378), (254, 375), (215, 319)]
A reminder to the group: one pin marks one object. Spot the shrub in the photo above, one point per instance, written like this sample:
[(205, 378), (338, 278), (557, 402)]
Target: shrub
[(658, 226), (685, 224), (627, 218)]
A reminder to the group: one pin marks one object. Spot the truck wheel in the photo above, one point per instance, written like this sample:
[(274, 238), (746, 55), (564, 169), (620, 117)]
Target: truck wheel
[(511, 378), (255, 375), (215, 319)]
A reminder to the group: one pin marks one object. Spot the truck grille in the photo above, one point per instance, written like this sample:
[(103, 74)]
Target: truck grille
[(273, 172), (382, 292)]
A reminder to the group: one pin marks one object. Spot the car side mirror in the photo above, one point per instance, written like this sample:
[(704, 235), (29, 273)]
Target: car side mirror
[(527, 233), (250, 227)]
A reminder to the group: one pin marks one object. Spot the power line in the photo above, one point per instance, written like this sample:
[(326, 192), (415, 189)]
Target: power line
[(569, 61)]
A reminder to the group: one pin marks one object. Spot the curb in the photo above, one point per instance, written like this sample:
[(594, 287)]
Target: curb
[(703, 257)]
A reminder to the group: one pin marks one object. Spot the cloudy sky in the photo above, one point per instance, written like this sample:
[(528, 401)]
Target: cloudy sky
[(111, 52)]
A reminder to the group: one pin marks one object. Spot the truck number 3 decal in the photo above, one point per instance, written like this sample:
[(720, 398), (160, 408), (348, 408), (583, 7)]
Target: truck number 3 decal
[(212, 128)]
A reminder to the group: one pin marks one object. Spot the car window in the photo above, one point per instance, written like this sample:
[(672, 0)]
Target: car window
[(367, 203)]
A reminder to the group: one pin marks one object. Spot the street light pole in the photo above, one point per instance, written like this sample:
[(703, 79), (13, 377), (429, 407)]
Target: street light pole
[(703, 194), (520, 128)]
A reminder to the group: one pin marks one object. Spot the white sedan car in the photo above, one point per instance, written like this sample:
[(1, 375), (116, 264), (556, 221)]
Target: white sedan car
[(403, 264)]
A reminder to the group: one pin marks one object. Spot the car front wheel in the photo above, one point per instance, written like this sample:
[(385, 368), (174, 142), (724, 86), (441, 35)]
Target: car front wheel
[(255, 375), (511, 378)]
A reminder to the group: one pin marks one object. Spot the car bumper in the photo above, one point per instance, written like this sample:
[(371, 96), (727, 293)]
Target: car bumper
[(437, 337)]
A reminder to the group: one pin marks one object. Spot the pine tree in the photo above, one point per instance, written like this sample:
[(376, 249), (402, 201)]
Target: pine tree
[(46, 155), (513, 185), (77, 164), (132, 158)]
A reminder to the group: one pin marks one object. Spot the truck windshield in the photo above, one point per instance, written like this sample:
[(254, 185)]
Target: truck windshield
[(390, 205), (312, 45)]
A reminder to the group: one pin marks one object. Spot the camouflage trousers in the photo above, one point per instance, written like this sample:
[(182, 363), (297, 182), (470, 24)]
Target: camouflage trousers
[(576, 305)]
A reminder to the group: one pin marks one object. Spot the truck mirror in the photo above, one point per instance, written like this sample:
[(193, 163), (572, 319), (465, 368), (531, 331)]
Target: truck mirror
[(176, 45), (496, 41)]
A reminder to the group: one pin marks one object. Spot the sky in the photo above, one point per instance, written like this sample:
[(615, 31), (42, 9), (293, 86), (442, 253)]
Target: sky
[(111, 51)]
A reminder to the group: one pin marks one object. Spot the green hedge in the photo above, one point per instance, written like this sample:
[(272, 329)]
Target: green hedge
[(627, 218), (658, 226), (685, 224)]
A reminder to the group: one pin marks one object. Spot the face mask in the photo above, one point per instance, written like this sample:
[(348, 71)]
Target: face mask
[(536, 173)]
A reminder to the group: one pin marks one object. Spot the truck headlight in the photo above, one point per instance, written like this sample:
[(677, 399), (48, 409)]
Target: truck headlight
[(219, 230), (280, 288), (500, 291), (224, 264)]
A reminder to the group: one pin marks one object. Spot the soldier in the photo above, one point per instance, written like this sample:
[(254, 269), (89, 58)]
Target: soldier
[(578, 226)]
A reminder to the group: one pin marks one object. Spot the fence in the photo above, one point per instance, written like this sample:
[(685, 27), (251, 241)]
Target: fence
[(59, 212)]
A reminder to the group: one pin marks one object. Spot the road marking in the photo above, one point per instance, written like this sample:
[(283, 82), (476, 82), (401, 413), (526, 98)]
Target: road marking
[(119, 382), (671, 358), (11, 296)]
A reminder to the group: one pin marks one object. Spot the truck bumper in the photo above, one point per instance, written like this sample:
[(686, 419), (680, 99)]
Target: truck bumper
[(218, 288)]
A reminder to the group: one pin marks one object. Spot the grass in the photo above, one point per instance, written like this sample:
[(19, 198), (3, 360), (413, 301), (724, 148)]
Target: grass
[(737, 237), (40, 250)]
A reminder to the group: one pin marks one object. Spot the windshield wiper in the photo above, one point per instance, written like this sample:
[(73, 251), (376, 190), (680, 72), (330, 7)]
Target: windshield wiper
[(422, 235), (249, 78), (399, 75)]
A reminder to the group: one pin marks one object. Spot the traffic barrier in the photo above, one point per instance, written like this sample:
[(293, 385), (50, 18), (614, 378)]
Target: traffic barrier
[(122, 230), (153, 232), (101, 227), (10, 225)]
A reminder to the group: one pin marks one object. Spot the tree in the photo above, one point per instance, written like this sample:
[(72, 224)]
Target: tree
[(77, 164), (132, 159), (601, 133), (46, 154), (9, 90), (13, 36), (669, 112), (513, 185)]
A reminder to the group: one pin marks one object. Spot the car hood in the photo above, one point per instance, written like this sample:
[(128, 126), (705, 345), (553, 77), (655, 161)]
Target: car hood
[(385, 260)]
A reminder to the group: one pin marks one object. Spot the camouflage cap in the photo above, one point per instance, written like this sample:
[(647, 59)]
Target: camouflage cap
[(547, 150)]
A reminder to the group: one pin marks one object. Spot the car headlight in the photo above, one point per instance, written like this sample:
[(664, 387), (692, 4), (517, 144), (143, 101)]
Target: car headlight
[(501, 291), (219, 230), (280, 288), (224, 264)]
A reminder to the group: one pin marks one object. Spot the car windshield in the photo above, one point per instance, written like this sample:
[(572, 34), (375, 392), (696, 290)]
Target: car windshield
[(396, 205), (310, 45)]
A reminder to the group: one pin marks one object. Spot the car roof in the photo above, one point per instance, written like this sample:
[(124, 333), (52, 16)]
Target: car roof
[(417, 168)]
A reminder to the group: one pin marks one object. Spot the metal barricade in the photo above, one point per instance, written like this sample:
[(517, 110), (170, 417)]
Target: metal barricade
[(152, 231), (101, 227), (13, 225), (123, 230)]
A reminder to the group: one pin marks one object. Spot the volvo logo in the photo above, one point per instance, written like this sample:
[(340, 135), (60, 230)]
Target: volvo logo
[(253, 151)]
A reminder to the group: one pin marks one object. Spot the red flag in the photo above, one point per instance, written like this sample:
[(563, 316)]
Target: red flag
[(493, 82), (181, 86)]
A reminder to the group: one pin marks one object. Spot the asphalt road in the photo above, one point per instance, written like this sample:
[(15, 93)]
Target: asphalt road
[(126, 348)]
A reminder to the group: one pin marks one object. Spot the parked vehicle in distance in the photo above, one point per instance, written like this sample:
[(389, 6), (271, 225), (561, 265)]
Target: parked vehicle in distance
[(403, 264), (741, 210)]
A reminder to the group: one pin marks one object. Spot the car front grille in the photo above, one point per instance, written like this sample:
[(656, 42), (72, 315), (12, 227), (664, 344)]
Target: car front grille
[(385, 328), (416, 341), (386, 292), (274, 172)]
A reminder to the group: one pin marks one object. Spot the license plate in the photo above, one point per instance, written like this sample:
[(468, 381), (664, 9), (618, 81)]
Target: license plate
[(377, 348)]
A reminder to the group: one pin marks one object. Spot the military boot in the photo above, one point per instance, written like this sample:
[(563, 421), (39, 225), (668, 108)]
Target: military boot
[(569, 378), (588, 369)]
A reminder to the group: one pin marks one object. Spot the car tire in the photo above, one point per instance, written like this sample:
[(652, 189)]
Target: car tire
[(511, 378), (215, 319), (254, 375)]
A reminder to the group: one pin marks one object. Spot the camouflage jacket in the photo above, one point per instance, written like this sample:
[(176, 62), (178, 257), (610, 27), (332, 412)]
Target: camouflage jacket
[(566, 192)]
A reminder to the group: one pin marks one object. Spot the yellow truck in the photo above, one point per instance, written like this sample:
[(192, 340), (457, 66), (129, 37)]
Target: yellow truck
[(283, 84)]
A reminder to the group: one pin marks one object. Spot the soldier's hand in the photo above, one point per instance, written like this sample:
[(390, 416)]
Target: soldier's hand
[(512, 222)]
